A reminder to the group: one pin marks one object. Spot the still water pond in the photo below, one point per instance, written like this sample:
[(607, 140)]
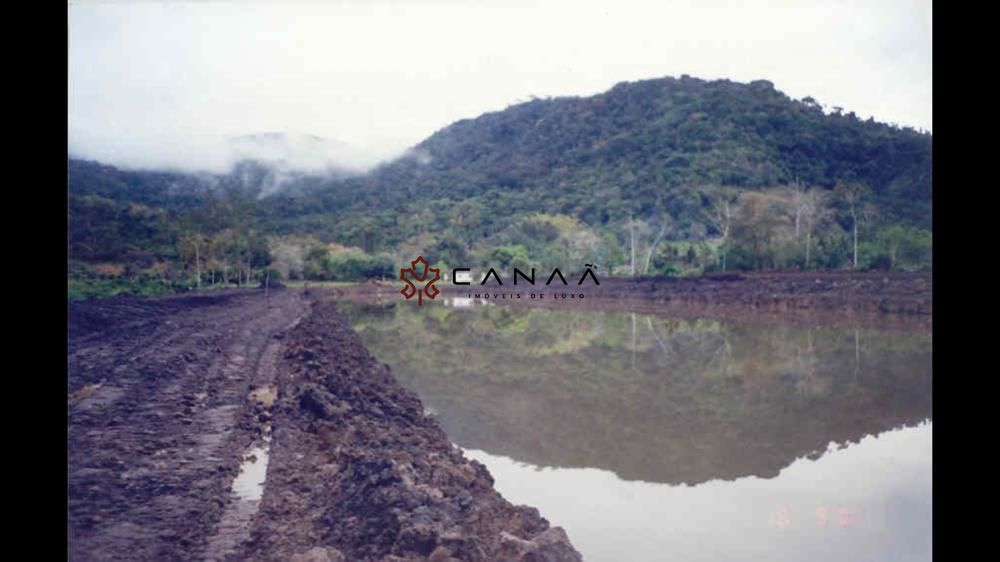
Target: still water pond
[(651, 438)]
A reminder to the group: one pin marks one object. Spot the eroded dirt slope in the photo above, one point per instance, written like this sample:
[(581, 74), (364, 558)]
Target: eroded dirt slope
[(359, 472)]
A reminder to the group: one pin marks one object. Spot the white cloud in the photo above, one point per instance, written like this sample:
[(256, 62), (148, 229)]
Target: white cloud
[(153, 83)]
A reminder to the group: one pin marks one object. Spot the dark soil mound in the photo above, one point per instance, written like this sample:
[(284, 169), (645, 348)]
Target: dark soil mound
[(361, 473)]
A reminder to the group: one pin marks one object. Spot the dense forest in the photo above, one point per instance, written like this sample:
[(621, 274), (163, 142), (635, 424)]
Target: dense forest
[(656, 177)]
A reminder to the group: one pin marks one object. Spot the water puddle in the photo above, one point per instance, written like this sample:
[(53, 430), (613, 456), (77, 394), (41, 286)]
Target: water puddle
[(249, 483), (247, 489)]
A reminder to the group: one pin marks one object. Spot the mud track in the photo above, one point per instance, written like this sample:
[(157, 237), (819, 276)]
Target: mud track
[(168, 396)]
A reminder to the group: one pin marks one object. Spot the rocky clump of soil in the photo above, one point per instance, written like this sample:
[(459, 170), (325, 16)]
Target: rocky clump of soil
[(360, 472)]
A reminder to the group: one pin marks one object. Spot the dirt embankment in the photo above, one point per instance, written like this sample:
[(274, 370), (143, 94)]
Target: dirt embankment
[(361, 473), (893, 300), (893, 293), (166, 397), (864, 293)]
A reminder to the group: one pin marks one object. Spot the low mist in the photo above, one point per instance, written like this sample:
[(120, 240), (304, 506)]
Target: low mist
[(283, 152)]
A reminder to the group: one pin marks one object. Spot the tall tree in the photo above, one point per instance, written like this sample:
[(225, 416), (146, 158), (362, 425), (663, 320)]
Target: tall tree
[(813, 209), (797, 192), (854, 196), (664, 225), (721, 218), (191, 245)]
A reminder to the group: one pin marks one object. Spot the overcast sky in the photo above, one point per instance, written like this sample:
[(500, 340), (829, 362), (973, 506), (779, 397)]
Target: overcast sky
[(164, 83)]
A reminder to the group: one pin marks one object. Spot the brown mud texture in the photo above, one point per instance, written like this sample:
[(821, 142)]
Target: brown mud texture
[(874, 292), (166, 397)]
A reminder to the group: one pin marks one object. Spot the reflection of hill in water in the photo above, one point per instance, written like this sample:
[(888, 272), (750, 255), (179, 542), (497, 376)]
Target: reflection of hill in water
[(650, 398)]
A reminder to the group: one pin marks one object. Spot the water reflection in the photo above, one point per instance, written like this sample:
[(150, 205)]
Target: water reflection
[(868, 501), (645, 397)]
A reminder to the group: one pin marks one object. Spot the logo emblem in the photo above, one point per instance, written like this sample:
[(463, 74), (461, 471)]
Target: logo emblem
[(418, 270)]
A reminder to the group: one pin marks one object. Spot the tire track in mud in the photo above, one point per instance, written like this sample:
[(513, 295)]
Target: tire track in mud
[(163, 426), (233, 528), (158, 420)]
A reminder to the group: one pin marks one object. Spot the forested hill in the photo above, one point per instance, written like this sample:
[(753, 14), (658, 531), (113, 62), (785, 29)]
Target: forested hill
[(644, 148), (693, 175)]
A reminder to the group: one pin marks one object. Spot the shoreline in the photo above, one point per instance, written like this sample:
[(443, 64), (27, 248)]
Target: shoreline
[(168, 396), (890, 301), (414, 496)]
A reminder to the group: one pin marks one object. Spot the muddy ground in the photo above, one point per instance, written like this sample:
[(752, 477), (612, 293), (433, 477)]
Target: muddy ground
[(168, 396), (895, 293)]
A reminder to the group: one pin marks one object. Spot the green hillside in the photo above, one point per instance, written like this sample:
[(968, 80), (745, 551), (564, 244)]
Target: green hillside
[(687, 175)]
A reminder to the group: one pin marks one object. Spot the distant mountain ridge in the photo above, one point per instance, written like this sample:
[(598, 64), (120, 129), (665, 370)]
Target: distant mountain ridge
[(640, 148), (675, 131)]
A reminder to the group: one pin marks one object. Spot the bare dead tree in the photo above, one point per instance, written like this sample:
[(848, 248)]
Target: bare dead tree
[(814, 210), (798, 195), (640, 241), (656, 241), (723, 213), (631, 229), (853, 195)]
